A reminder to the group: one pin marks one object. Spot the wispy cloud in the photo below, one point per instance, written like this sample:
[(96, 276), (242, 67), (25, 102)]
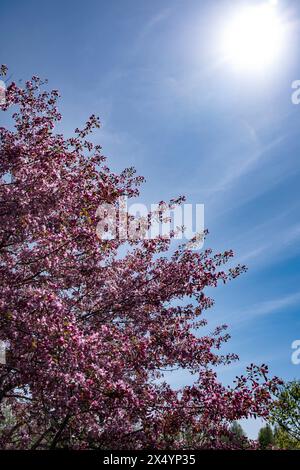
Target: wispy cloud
[(274, 305), (238, 169), (269, 243), (154, 21), (149, 27), (264, 308)]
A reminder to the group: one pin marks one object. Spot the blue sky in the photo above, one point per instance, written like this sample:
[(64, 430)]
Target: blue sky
[(191, 124)]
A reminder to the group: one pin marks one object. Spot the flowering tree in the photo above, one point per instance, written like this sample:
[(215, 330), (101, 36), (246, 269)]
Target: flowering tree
[(89, 332)]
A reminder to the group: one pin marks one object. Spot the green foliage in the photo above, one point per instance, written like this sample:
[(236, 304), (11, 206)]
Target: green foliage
[(7, 418), (237, 437), (266, 437), (285, 414), (282, 440), (237, 430)]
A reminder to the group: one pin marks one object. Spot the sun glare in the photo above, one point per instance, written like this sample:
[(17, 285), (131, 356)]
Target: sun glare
[(253, 38)]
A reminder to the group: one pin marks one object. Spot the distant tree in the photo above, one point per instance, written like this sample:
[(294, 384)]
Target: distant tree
[(237, 430), (266, 437), (238, 435), (282, 440), (6, 417), (285, 412)]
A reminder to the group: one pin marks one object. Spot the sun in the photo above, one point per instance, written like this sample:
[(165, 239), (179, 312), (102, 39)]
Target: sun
[(253, 38)]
